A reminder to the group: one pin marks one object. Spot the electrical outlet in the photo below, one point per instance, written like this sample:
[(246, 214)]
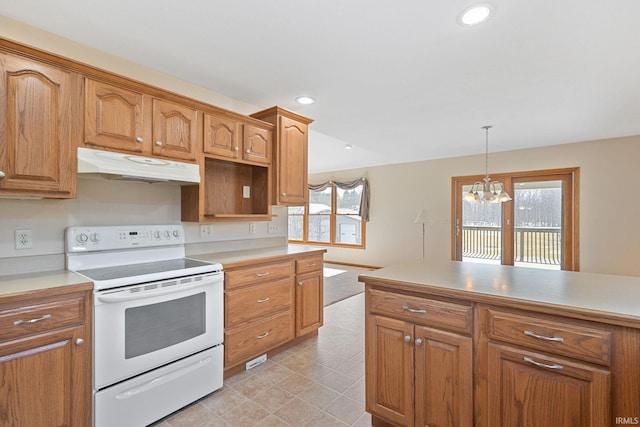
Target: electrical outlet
[(206, 230), (23, 239), (273, 228), (246, 192), (252, 228)]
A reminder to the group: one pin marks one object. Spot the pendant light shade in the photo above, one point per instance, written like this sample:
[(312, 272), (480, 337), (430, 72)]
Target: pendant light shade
[(487, 191)]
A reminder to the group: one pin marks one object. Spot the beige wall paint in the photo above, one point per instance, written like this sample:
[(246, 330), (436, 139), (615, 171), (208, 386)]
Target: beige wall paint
[(609, 203)]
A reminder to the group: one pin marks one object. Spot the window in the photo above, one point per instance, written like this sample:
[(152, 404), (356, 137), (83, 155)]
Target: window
[(538, 228), (331, 218)]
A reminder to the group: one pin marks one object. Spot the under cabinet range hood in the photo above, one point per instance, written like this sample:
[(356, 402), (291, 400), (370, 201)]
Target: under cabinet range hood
[(128, 167)]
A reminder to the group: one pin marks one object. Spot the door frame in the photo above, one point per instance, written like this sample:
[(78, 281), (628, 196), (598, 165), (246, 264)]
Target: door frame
[(570, 178)]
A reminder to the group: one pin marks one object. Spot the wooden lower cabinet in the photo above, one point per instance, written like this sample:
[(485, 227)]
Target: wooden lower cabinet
[(309, 295), (45, 365), (269, 307), (418, 376), (467, 363), (530, 389)]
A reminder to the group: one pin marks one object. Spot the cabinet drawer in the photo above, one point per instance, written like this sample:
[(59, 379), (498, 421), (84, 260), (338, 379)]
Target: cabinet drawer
[(251, 275), (423, 311), (242, 344), (307, 265), (250, 303), (40, 317), (552, 336)]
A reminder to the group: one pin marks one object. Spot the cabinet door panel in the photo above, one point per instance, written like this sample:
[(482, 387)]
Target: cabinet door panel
[(523, 391), (444, 379), (256, 145), (45, 381), (221, 136), (174, 130), (292, 162), (309, 302), (389, 369), (114, 118), (36, 136)]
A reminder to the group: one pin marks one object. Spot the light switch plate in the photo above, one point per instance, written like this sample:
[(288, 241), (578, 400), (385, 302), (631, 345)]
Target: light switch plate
[(246, 192)]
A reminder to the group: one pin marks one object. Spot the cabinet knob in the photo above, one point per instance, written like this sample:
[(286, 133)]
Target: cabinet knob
[(283, 194), (407, 338), (139, 139), (2, 175), (79, 341), (299, 283), (159, 143), (236, 149), (247, 151), (418, 341)]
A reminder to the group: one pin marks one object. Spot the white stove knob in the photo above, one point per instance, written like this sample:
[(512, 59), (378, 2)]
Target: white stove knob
[(157, 234), (82, 238), (95, 237), (176, 233), (167, 234)]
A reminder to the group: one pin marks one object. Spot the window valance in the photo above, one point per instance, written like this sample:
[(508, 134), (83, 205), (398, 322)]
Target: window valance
[(349, 185)]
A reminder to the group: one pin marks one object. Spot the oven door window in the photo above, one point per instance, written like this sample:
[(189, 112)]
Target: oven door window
[(150, 328)]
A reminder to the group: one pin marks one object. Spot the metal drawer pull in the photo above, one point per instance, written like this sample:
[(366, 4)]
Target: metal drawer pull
[(22, 322), (311, 265), (263, 299), (542, 337), (542, 365), (79, 341), (413, 310), (262, 274), (266, 334), (407, 338), (419, 341)]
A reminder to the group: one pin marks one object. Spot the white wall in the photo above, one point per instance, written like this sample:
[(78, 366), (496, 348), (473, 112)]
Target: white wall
[(609, 203), (105, 202)]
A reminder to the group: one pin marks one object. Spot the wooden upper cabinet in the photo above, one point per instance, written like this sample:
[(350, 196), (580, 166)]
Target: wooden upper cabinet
[(37, 136), (114, 118), (221, 136), (175, 130), (290, 157), (256, 144), (122, 119), (226, 138)]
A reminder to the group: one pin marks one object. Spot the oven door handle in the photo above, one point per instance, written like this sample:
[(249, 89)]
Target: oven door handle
[(163, 379), (120, 296)]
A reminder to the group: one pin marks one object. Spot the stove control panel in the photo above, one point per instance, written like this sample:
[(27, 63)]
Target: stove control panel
[(104, 238)]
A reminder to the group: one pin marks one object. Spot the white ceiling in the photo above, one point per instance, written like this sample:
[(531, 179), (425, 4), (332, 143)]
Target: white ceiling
[(398, 80)]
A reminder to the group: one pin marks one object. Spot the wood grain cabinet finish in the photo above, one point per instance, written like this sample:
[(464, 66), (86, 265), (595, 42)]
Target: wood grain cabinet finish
[(122, 119), (270, 304), (532, 389), (45, 361), (439, 361), (38, 135), (259, 311), (229, 138), (417, 375), (290, 160), (309, 295)]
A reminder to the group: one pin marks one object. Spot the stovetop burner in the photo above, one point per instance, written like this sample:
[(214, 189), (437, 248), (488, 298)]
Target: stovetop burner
[(173, 268)]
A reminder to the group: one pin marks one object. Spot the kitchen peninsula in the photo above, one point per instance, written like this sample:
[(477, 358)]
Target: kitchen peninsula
[(474, 344)]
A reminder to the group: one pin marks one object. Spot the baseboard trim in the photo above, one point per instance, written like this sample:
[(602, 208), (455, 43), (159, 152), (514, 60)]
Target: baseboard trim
[(348, 264)]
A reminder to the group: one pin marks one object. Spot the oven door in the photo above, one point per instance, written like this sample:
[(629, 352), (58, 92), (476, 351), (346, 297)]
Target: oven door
[(139, 328)]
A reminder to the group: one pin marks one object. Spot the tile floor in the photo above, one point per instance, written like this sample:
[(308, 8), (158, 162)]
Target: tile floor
[(320, 382)]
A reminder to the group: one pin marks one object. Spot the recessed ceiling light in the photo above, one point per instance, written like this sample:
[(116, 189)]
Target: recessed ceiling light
[(476, 14), (348, 147), (305, 100)]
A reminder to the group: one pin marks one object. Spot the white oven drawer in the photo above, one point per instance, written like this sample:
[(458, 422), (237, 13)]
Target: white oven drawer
[(151, 396)]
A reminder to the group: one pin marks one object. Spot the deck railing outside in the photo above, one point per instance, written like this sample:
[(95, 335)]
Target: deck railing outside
[(537, 245)]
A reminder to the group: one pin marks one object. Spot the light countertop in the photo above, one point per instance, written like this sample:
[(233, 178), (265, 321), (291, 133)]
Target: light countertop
[(242, 257), (41, 282), (607, 296)]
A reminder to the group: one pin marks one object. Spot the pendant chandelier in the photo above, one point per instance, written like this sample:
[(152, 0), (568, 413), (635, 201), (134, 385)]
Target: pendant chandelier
[(487, 191)]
